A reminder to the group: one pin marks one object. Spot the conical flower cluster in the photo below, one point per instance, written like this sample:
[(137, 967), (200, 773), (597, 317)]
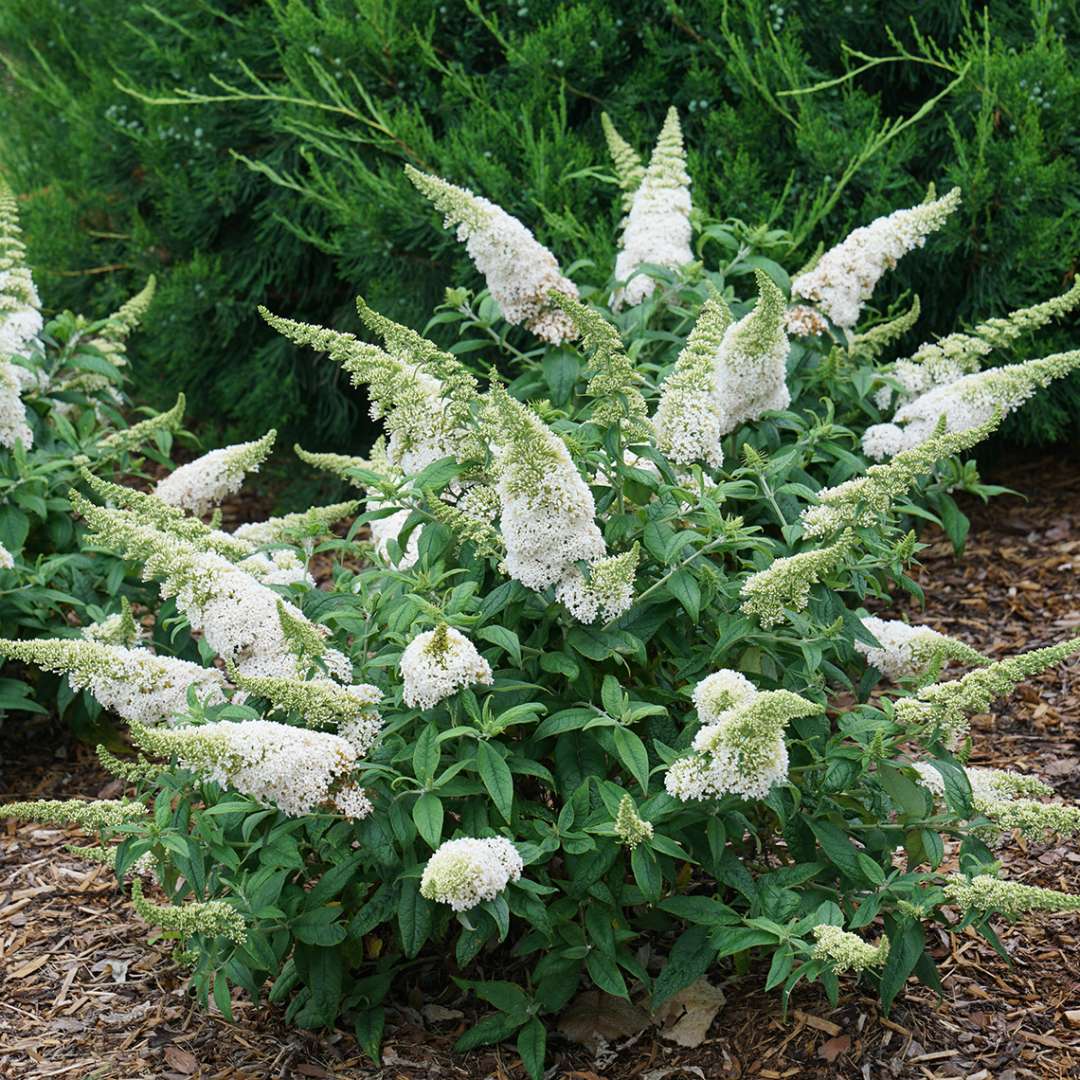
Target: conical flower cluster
[(717, 694), (310, 525), (111, 339), (423, 424), (629, 168), (1009, 801), (520, 272), (863, 500), (969, 402), (20, 306), (90, 816), (689, 416), (658, 229), (296, 770), (147, 509), (135, 436), (742, 751), (614, 384), (951, 358), (466, 872), (1009, 898), (13, 422), (20, 324), (211, 918), (437, 664), (750, 377), (911, 651), (548, 512), (133, 683), (350, 710), (844, 277), (205, 482), (242, 620), (843, 951), (948, 705), (786, 582), (630, 827)]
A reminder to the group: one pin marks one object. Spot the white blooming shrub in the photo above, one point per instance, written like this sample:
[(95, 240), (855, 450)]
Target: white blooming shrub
[(62, 419), (597, 665)]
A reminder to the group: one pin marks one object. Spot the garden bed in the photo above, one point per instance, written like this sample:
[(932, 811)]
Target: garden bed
[(82, 995)]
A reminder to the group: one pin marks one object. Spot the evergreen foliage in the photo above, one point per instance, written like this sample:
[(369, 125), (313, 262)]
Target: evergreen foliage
[(268, 170)]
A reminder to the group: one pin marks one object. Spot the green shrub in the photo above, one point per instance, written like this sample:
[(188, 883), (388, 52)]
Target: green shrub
[(61, 413), (605, 679), (274, 177)]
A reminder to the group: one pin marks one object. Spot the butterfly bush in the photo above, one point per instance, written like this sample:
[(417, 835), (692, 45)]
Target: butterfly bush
[(205, 482), (438, 663), (464, 872), (657, 229), (845, 277), (65, 421), (909, 651), (595, 667)]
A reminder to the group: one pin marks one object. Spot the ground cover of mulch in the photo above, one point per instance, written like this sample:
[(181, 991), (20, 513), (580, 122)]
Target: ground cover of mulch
[(83, 995)]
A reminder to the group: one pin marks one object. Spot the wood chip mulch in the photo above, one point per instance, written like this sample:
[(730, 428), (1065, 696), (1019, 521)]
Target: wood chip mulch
[(84, 996)]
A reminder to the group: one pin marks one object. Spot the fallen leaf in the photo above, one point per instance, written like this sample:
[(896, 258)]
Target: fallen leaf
[(833, 1048), (686, 1017), (593, 1018), (183, 1061), (436, 1014)]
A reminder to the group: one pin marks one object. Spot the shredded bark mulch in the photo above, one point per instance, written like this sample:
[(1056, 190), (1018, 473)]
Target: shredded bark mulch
[(83, 995)]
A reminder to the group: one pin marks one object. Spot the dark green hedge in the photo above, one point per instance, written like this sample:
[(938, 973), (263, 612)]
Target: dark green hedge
[(282, 185)]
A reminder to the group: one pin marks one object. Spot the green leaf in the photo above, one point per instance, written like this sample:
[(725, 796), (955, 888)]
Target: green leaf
[(605, 973), (334, 880), (728, 940), (319, 926), (647, 872), (496, 777), (906, 945), (321, 970), (427, 815), (532, 1046), (612, 696), (492, 1029), (684, 587), (505, 639), (558, 663), (561, 369), (633, 755), (954, 521), (507, 997), (957, 786), (841, 852), (369, 1032), (689, 959), (567, 720), (426, 754), (414, 918), (222, 998), (909, 796)]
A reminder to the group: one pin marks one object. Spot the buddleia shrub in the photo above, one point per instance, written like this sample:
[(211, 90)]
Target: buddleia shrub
[(593, 697), (63, 410), (251, 153)]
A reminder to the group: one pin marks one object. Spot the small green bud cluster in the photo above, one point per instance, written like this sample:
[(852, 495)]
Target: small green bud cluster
[(210, 918)]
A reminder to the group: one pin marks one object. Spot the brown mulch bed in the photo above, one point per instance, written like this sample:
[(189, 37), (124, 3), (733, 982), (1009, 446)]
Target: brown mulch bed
[(83, 995)]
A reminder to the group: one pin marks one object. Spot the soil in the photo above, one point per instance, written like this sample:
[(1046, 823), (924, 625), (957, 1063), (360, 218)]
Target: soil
[(85, 994)]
